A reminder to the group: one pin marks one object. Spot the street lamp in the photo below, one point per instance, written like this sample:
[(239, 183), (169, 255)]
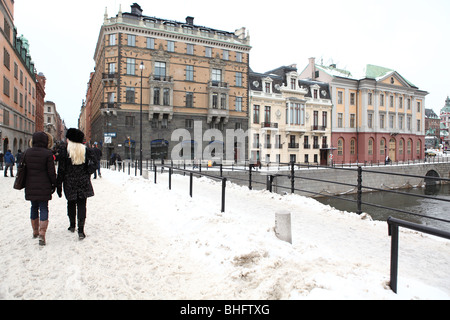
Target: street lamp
[(142, 67)]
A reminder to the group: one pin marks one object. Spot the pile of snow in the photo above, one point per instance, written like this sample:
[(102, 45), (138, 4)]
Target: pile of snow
[(145, 241)]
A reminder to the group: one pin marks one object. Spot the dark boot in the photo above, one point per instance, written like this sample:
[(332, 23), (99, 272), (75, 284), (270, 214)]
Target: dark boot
[(71, 213), (81, 234)]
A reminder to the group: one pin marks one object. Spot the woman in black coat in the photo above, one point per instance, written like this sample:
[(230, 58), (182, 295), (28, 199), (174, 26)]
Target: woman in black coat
[(40, 182), (73, 175)]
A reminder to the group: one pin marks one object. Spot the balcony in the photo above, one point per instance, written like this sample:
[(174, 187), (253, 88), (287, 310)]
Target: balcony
[(269, 125), (316, 127), (316, 146), (109, 105), (110, 78), (268, 146), (306, 146), (217, 84), (293, 145)]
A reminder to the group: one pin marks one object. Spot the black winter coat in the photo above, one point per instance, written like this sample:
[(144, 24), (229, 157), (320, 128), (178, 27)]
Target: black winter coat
[(40, 180), (75, 179)]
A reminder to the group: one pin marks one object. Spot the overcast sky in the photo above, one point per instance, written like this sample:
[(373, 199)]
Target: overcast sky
[(409, 36)]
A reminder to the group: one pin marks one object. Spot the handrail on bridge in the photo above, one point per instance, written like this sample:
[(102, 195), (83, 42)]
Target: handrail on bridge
[(394, 225)]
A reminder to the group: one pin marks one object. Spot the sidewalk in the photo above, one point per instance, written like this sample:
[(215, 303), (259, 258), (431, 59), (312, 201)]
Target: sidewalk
[(146, 242)]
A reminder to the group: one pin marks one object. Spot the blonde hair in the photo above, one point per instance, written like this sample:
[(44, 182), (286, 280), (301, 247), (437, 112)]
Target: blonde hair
[(77, 152)]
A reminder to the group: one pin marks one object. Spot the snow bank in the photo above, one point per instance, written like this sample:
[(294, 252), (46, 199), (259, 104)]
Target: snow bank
[(147, 242)]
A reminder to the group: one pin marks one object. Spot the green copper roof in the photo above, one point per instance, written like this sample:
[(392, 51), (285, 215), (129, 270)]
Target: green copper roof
[(377, 72)]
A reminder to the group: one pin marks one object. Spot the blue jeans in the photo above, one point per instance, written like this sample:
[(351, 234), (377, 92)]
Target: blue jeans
[(39, 206)]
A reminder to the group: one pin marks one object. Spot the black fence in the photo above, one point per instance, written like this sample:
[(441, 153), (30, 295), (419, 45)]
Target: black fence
[(251, 169)]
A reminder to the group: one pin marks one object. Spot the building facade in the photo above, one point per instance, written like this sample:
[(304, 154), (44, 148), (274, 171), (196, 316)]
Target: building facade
[(378, 116), (445, 124), (290, 118), (17, 84), (185, 76), (40, 100)]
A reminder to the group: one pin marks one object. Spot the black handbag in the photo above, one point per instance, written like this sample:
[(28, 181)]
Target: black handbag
[(21, 175)]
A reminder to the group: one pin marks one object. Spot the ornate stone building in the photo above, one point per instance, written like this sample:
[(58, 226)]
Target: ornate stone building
[(185, 76), (290, 118)]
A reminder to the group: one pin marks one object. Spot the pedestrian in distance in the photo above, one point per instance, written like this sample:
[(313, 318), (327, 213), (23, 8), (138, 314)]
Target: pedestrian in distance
[(40, 182), (98, 156), (19, 156), (9, 163), (74, 177)]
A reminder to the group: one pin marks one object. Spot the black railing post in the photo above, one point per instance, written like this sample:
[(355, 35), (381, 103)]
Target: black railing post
[(224, 184), (393, 232), (250, 176), (292, 177), (269, 183), (156, 169), (221, 170), (170, 178), (190, 184), (359, 200)]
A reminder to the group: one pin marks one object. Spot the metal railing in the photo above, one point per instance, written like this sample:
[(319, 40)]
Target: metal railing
[(394, 225)]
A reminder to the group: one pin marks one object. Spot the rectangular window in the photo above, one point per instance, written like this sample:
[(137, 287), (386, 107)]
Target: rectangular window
[(418, 125), (267, 114), (238, 79), (238, 56), (238, 103), (190, 49), (226, 54), (156, 96), (189, 124), (208, 52), (130, 96), (324, 119), (131, 40), (352, 120), (166, 97), (131, 66), (223, 100), (255, 114), (381, 100), (5, 86), (6, 58), (6, 117), (400, 122), (352, 98), (418, 106), (150, 43), (370, 120), (171, 46), (112, 39), (189, 99), (381, 121), (340, 120), (160, 70), (216, 75), (340, 97), (391, 121), (189, 73), (391, 101), (369, 98)]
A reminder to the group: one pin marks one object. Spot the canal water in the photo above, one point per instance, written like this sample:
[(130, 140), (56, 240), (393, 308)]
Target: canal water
[(422, 206)]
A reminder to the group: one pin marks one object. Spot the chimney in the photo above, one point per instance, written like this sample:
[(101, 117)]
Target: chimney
[(312, 66), (136, 9), (190, 20)]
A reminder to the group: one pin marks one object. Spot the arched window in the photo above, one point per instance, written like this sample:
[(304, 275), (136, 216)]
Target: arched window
[(340, 147), (382, 146), (418, 147), (400, 147), (370, 149), (409, 146)]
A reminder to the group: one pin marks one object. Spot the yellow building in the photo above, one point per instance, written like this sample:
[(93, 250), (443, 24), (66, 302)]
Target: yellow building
[(185, 76)]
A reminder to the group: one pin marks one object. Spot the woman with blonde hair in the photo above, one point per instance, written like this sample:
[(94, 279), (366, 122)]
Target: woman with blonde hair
[(74, 176)]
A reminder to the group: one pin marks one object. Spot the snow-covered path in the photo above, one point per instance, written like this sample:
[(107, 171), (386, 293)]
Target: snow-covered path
[(146, 242)]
